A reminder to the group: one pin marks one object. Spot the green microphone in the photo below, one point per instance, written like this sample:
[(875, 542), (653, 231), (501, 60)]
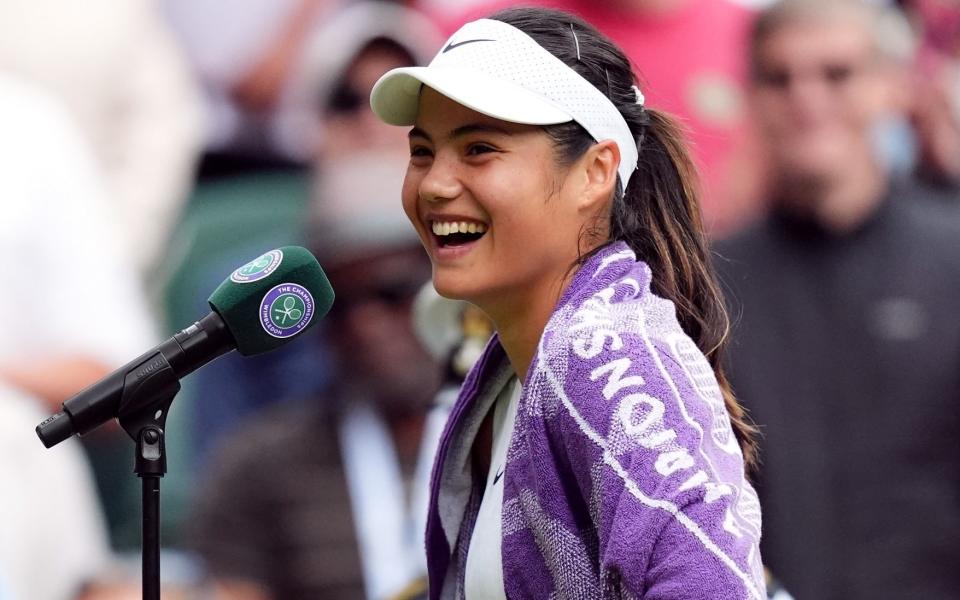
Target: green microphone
[(272, 298), (261, 306)]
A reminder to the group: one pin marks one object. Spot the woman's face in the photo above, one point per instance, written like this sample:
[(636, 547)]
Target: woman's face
[(500, 183)]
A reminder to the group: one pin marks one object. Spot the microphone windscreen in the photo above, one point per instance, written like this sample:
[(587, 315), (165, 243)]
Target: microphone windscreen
[(272, 299)]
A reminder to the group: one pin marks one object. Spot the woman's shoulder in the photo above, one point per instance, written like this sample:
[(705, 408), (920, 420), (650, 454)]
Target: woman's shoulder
[(619, 351), (618, 364), (610, 308), (614, 341)]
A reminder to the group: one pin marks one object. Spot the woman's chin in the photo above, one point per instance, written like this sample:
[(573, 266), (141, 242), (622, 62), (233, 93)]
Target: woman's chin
[(447, 290), (455, 287)]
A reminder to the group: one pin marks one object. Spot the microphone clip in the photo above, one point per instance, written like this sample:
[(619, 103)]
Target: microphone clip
[(148, 392)]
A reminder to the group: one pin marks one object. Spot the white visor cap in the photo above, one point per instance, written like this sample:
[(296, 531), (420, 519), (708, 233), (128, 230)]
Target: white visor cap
[(497, 70)]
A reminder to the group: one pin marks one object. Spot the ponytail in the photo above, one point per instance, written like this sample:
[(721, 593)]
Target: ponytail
[(658, 215), (659, 218)]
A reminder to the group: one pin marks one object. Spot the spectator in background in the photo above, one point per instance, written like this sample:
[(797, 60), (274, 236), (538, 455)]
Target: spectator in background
[(308, 499), (321, 114), (117, 70), (71, 311), (691, 56), (325, 116), (338, 469), (847, 345)]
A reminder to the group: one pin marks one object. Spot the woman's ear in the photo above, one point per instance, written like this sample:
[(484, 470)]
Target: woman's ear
[(598, 166)]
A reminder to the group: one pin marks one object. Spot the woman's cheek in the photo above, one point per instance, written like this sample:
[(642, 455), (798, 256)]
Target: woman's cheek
[(409, 196)]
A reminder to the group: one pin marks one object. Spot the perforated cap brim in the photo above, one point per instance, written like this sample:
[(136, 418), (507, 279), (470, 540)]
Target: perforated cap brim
[(500, 71), (395, 97)]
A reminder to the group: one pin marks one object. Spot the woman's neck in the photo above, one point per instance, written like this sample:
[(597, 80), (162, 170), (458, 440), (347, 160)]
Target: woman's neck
[(520, 321)]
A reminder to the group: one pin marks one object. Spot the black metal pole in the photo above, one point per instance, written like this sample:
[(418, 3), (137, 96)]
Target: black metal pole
[(150, 537), (150, 466)]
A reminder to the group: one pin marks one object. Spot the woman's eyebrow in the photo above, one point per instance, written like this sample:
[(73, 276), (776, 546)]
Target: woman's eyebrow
[(461, 131), (477, 128), (417, 132)]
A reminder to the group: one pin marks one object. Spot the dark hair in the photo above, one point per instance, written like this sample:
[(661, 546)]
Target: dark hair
[(658, 215)]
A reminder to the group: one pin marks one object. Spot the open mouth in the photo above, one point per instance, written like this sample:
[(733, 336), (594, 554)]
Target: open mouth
[(457, 233)]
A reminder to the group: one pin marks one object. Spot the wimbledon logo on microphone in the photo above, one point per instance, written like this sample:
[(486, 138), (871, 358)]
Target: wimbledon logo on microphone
[(286, 310), (258, 268)]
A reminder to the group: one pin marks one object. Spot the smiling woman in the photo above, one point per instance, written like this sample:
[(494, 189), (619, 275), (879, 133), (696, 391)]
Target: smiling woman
[(595, 450), (502, 178)]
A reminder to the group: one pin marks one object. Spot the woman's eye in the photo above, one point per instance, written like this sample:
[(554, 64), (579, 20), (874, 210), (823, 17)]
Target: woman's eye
[(475, 149), (417, 151)]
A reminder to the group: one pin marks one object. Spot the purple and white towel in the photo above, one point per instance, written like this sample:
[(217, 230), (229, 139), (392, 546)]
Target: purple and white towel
[(623, 477)]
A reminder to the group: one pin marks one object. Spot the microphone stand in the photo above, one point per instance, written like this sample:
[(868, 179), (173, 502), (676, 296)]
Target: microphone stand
[(143, 415), (139, 395)]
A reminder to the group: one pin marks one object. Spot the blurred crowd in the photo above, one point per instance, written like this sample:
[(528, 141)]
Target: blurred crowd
[(148, 147)]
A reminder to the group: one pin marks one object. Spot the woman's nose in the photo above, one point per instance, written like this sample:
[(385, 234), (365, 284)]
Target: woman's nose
[(441, 182)]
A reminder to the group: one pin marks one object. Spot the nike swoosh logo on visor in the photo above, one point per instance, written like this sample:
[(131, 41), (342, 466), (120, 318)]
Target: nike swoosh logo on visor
[(496, 478), (451, 45)]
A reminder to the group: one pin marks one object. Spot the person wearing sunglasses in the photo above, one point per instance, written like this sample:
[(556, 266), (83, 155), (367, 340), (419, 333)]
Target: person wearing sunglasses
[(313, 498)]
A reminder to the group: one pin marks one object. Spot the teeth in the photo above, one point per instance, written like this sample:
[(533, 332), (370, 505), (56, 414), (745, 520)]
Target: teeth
[(448, 227)]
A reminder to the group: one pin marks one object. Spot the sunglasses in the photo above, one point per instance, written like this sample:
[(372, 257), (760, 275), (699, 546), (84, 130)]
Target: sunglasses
[(344, 99)]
